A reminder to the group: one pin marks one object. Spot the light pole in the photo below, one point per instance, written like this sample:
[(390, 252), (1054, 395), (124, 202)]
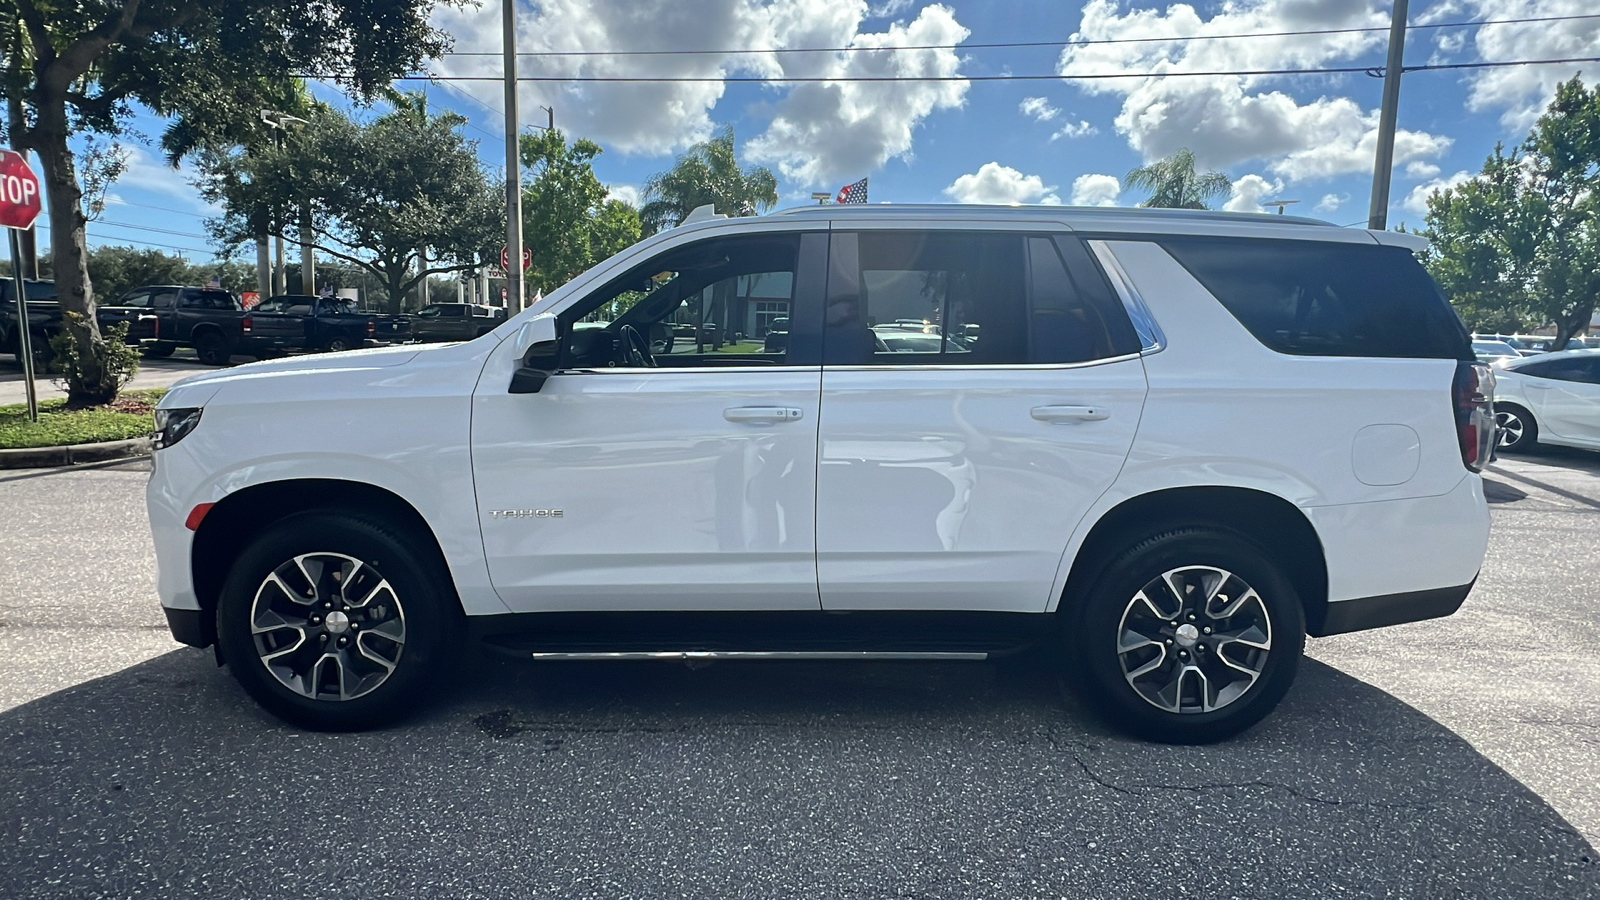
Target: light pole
[(508, 16), (1383, 165), (281, 121)]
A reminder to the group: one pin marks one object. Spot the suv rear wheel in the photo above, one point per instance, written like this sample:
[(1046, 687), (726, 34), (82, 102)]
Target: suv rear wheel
[(1187, 637), (337, 621)]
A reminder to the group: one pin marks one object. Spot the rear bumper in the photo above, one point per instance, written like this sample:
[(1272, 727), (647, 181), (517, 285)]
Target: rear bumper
[(1390, 609)]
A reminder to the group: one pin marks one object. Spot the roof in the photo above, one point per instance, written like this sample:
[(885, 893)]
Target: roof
[(1089, 216)]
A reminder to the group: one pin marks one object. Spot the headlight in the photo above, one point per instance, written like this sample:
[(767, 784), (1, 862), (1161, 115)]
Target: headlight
[(173, 425)]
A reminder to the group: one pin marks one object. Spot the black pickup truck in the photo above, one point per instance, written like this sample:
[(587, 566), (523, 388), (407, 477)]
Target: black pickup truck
[(304, 322), (455, 321), (163, 317), (44, 317)]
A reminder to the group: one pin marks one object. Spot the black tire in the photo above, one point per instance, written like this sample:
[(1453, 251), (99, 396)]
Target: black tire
[(1517, 431), (420, 597), (336, 342), (1106, 657), (158, 351), (212, 349)]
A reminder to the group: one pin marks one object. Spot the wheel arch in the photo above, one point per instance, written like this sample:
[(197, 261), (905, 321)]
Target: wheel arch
[(1279, 526), (236, 519)]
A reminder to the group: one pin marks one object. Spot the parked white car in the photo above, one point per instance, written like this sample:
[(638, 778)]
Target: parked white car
[(1552, 398), (1170, 445)]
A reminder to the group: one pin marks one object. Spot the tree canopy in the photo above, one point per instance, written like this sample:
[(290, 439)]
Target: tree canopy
[(708, 172), (1174, 183), (568, 221), (1519, 244), (68, 68), (379, 193)]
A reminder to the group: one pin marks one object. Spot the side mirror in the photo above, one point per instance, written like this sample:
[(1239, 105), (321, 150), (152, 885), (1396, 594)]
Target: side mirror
[(539, 350)]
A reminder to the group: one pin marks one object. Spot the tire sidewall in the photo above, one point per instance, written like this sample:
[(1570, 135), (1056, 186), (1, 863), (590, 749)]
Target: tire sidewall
[(212, 349), (1093, 629), (431, 610)]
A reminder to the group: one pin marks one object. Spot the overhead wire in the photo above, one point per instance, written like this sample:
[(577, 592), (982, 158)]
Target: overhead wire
[(996, 45)]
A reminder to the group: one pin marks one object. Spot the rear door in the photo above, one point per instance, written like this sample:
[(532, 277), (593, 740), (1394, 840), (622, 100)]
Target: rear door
[(980, 390), (1565, 394)]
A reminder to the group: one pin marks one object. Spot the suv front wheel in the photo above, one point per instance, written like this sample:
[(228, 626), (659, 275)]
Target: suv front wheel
[(337, 621), (1187, 637)]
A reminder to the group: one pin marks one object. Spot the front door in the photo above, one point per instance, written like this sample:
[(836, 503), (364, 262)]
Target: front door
[(976, 400), (1567, 399), (643, 476)]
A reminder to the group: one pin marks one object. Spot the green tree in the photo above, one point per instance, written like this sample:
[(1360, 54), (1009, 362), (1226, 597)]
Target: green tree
[(1520, 243), (1174, 183), (708, 173), (379, 193), (68, 68), (568, 223)]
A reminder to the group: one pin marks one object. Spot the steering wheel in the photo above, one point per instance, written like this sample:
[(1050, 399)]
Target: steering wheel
[(635, 350)]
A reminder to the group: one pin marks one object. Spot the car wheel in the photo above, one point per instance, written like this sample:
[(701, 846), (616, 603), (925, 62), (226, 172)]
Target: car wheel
[(336, 343), (158, 351), (1518, 431), (337, 621), (1187, 637), (212, 349)]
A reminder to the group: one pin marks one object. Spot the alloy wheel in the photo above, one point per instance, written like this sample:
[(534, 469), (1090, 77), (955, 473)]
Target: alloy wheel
[(328, 626), (1194, 640), (1511, 428)]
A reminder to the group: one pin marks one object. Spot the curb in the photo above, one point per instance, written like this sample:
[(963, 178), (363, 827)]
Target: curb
[(70, 454)]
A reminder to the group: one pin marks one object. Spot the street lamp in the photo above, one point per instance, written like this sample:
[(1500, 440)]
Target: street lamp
[(281, 121), (1280, 204), (822, 197)]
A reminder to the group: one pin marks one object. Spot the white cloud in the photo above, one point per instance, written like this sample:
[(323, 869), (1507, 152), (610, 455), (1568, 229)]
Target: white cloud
[(1416, 202), (819, 132), (627, 193), (1227, 120), (994, 183), (1080, 128), (149, 172), (1420, 169), (1521, 93), (1038, 109), (823, 133), (1249, 191), (1331, 202), (1095, 190)]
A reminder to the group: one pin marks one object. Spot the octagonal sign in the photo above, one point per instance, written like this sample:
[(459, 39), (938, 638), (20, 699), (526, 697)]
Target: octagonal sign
[(20, 201)]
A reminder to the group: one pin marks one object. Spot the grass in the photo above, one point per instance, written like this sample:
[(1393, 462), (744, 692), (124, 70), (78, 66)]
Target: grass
[(130, 415)]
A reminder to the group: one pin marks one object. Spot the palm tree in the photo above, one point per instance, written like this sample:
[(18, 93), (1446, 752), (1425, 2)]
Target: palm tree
[(708, 173), (1173, 183)]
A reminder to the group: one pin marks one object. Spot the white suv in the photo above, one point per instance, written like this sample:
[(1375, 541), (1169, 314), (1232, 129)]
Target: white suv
[(1163, 445)]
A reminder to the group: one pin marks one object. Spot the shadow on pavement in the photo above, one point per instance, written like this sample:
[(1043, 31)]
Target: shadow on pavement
[(755, 780)]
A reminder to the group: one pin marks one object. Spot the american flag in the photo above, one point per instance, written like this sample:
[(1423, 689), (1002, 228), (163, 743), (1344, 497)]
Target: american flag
[(853, 193)]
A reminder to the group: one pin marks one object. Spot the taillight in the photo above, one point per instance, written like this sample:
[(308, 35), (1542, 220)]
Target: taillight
[(245, 324), (1473, 395), (372, 327)]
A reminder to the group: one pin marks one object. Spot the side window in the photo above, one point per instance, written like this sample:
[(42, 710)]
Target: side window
[(705, 304), (450, 312), (298, 308), (1583, 371), (164, 299), (138, 299), (926, 298), (1320, 298), (1072, 319)]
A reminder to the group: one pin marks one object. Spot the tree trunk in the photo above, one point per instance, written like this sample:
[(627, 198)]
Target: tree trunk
[(395, 282), (89, 384)]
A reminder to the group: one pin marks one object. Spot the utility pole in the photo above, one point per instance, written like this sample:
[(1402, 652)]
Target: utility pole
[(508, 15), (1383, 166)]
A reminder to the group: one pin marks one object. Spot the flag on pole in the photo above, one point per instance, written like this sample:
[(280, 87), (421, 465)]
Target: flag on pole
[(853, 193)]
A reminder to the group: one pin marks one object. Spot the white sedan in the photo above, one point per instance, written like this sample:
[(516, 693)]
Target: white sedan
[(1552, 398)]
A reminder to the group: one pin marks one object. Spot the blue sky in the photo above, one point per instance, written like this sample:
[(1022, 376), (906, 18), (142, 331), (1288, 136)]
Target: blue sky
[(1305, 138)]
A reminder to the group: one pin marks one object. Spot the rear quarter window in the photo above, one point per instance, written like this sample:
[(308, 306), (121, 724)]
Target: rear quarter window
[(1312, 298)]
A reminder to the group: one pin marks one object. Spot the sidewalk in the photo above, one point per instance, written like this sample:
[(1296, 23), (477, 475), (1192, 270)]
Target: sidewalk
[(152, 373)]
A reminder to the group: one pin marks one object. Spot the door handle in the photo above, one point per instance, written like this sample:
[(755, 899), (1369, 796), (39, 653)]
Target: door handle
[(761, 414), (1070, 413)]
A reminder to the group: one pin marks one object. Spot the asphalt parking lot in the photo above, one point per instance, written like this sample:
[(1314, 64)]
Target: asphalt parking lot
[(1454, 758)]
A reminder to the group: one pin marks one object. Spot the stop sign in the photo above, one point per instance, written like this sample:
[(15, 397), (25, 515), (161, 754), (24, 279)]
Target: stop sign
[(20, 202), (505, 258)]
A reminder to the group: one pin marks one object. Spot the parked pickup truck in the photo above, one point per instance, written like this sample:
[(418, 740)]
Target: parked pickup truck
[(304, 322), (164, 317), (455, 321), (44, 316)]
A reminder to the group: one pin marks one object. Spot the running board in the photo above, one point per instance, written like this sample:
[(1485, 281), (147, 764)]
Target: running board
[(688, 655)]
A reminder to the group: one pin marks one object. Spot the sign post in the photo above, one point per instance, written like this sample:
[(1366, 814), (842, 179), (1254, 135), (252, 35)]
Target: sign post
[(20, 205)]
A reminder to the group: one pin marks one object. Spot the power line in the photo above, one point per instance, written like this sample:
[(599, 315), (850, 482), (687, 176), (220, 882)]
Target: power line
[(1023, 44), (152, 230), (1376, 71), (122, 202), (114, 239)]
